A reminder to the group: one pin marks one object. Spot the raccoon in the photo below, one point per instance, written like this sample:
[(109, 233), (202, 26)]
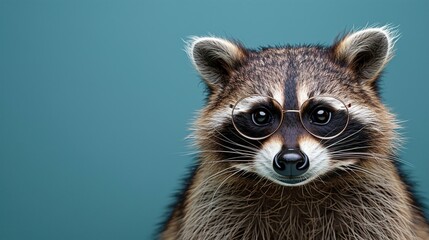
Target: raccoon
[(295, 143)]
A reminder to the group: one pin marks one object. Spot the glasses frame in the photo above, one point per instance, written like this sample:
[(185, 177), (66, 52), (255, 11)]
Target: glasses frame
[(284, 111)]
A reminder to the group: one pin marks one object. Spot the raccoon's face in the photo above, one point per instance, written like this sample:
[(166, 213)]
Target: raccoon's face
[(295, 114)]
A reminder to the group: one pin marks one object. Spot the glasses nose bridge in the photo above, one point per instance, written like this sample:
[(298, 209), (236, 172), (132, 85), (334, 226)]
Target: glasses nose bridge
[(295, 119), (291, 111)]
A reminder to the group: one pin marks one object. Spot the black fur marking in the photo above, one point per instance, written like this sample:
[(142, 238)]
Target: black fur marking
[(291, 130), (233, 144), (245, 123), (361, 141), (290, 87), (336, 123), (291, 127)]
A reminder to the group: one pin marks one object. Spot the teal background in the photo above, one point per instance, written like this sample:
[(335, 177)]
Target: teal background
[(96, 98)]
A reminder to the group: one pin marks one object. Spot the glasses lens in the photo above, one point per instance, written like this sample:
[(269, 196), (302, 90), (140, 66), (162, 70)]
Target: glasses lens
[(324, 117), (257, 117)]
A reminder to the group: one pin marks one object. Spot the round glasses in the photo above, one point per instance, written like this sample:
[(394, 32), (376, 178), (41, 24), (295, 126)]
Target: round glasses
[(257, 117)]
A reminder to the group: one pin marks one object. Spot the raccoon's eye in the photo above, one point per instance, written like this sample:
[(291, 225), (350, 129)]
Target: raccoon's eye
[(320, 116), (261, 117)]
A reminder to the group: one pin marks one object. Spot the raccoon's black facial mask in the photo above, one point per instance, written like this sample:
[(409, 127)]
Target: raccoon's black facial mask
[(258, 117)]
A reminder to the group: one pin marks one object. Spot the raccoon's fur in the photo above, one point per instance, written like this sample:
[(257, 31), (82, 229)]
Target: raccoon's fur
[(354, 189)]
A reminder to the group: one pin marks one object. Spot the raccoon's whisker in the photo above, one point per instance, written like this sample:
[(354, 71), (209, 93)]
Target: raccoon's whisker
[(245, 161), (365, 171), (233, 158), (350, 142), (250, 149), (231, 161), (349, 149), (375, 155), (340, 157), (242, 138), (342, 147), (378, 157), (235, 143), (352, 174), (234, 149), (197, 152), (354, 168), (327, 134), (348, 136), (357, 154), (245, 149), (225, 151)]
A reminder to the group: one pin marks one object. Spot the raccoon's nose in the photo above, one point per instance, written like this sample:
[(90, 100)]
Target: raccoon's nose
[(291, 163)]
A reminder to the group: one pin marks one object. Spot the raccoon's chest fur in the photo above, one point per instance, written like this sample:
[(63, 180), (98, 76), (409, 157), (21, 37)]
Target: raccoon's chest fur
[(270, 212)]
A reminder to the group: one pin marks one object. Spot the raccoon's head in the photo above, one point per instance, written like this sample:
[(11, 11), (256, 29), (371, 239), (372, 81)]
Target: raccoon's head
[(295, 114)]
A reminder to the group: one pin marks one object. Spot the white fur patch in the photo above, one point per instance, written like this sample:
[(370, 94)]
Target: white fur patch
[(220, 116), (245, 104), (302, 94), (264, 158), (363, 114), (317, 154), (278, 95)]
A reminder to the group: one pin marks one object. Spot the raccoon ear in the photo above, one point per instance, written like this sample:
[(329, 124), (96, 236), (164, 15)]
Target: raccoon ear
[(367, 51), (215, 59)]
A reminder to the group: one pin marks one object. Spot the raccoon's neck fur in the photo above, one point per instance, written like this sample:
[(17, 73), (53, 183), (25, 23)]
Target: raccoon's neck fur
[(363, 205)]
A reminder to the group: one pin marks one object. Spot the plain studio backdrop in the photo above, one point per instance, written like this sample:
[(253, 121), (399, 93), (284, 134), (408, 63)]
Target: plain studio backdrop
[(96, 98)]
